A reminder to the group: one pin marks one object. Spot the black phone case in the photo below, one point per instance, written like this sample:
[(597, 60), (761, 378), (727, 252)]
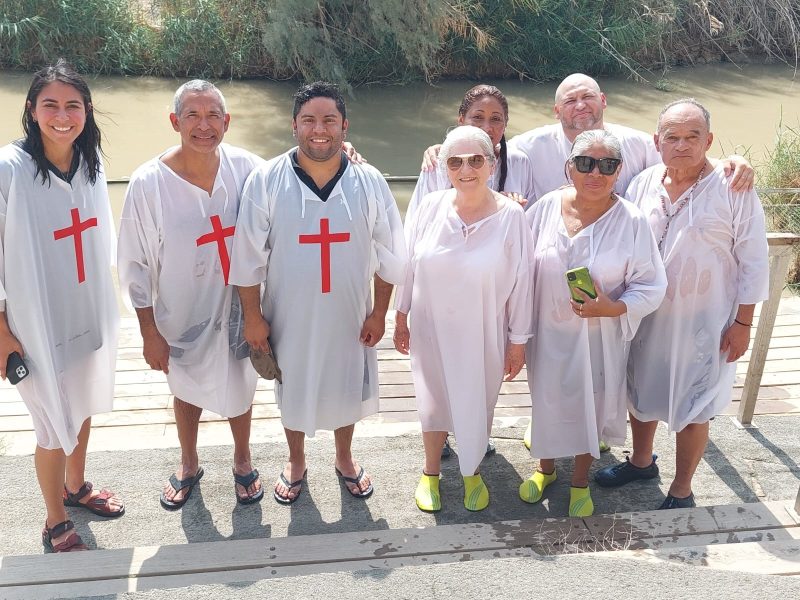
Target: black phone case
[(16, 369)]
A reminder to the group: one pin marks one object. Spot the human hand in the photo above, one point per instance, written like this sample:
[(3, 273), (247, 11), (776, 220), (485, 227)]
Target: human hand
[(431, 158), (373, 328), (602, 306), (8, 344), (516, 198), (743, 173), (402, 335), (735, 341), (515, 360), (155, 349), (352, 155), (256, 334)]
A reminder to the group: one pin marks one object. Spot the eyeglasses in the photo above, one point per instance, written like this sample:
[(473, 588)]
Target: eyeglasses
[(475, 161), (586, 164)]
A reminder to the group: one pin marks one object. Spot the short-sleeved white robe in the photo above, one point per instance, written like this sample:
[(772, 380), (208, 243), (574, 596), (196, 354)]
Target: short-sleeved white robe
[(468, 291), (318, 259), (519, 179), (58, 294), (576, 366), (716, 257), (548, 149), (174, 250)]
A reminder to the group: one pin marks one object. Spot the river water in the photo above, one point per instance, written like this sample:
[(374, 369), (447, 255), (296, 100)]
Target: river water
[(391, 126)]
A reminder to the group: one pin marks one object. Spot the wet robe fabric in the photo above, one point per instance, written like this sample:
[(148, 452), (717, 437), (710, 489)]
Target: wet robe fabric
[(576, 366), (174, 253), (716, 257), (519, 179), (318, 260), (548, 149), (468, 292), (58, 294)]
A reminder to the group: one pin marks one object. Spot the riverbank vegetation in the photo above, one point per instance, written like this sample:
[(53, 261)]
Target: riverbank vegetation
[(356, 42)]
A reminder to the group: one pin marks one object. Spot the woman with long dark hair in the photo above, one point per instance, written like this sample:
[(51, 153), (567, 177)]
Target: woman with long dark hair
[(58, 311)]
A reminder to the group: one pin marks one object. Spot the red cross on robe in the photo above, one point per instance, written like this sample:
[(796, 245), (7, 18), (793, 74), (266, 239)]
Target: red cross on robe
[(76, 230), (218, 235), (325, 238)]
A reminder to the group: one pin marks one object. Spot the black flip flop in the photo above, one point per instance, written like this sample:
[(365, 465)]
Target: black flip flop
[(178, 485), (246, 481), (285, 500), (357, 481)]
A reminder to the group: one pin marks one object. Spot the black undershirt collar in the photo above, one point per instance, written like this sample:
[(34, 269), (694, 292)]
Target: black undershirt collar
[(324, 192), (73, 167)]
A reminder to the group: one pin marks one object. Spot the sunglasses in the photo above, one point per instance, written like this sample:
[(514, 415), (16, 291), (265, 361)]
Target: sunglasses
[(606, 166), (476, 161)]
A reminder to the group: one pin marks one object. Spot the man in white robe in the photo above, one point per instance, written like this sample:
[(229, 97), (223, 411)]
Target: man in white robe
[(174, 260), (316, 229), (683, 359)]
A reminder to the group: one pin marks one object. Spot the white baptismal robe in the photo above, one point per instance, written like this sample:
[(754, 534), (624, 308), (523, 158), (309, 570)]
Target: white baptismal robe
[(576, 366), (716, 257), (318, 259), (174, 252), (519, 179), (55, 262), (468, 291), (548, 149)]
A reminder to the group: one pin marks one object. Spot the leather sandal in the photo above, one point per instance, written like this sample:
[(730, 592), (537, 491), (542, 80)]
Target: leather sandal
[(73, 542), (99, 505)]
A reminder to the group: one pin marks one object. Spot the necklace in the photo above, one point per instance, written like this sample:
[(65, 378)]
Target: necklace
[(575, 228), (686, 201)]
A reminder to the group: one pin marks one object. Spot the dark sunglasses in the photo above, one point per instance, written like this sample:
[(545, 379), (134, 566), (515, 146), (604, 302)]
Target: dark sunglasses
[(475, 161), (586, 164)]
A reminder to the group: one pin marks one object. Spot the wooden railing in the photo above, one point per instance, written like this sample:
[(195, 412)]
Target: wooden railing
[(780, 255)]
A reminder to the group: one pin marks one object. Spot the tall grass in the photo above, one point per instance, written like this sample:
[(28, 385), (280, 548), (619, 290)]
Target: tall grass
[(393, 41)]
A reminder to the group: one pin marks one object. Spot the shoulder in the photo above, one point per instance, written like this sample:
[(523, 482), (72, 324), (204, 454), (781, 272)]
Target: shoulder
[(366, 171), (517, 158), (629, 135), (147, 172), (13, 157), (540, 135), (643, 182), (240, 158)]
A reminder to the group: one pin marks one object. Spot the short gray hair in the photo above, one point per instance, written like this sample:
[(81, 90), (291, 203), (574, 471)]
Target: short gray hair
[(690, 101), (587, 139), (196, 86), (466, 133)]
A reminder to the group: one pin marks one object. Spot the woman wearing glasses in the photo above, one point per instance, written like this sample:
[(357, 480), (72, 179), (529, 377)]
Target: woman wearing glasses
[(578, 352), (468, 290)]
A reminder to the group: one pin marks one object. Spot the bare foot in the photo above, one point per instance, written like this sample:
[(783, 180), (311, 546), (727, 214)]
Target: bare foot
[(246, 493), (351, 469), (181, 473), (292, 472)]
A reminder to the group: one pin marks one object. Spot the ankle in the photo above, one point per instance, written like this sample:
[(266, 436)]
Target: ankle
[(641, 460)]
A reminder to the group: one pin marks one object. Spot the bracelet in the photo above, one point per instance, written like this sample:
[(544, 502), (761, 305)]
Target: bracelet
[(742, 324)]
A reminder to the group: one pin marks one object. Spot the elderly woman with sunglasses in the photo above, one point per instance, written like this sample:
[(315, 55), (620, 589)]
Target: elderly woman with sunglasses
[(468, 292), (578, 352)]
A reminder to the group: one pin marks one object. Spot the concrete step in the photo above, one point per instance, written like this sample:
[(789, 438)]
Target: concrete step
[(760, 538)]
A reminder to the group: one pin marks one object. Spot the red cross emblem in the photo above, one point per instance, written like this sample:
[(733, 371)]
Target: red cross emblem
[(325, 238), (218, 235), (76, 230)]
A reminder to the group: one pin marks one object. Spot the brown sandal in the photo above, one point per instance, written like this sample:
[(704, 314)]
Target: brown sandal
[(73, 543), (99, 505)]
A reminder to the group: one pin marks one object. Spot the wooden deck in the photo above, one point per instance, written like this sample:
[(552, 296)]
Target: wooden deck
[(143, 415)]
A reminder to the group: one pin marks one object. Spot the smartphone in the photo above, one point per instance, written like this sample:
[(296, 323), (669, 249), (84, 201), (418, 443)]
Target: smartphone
[(579, 278), (16, 369)]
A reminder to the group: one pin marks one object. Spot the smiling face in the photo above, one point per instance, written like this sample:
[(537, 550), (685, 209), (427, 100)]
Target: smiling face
[(202, 121), (579, 105), (486, 113), (683, 137), (594, 186), (320, 129), (467, 178), (60, 112)]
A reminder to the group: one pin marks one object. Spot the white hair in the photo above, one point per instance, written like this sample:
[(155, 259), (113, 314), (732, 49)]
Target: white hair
[(587, 139), (466, 133), (196, 86)]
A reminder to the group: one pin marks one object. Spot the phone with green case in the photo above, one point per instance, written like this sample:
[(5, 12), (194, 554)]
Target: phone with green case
[(579, 278)]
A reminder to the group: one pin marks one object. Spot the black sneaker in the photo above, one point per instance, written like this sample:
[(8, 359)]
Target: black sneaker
[(672, 502), (622, 473), (446, 450)]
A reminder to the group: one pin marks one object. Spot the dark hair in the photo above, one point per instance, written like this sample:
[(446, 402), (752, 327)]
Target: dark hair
[(87, 143), (318, 89), (472, 96)]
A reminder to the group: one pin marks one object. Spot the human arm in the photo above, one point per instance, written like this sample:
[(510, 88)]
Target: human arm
[(375, 323), (518, 198), (736, 338), (8, 344), (256, 328), (514, 361), (430, 158), (742, 171), (402, 335), (352, 154), (601, 306), (155, 348)]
